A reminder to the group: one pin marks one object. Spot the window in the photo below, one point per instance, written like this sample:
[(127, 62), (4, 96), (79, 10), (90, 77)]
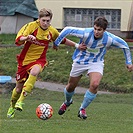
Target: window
[(108, 17), (78, 17), (85, 17)]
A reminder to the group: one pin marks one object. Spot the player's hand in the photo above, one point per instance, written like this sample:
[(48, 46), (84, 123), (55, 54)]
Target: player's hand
[(130, 67), (55, 47), (82, 46), (31, 38), (27, 38)]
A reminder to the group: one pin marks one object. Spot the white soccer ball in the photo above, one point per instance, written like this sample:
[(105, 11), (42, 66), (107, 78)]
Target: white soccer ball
[(44, 111)]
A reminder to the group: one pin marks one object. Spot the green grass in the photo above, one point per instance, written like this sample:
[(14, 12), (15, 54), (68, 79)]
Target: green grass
[(116, 77), (107, 114), (7, 38)]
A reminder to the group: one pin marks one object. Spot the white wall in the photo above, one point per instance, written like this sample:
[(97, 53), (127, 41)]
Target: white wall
[(57, 7)]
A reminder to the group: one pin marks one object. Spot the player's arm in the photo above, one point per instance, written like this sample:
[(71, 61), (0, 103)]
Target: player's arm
[(27, 38), (120, 43), (81, 46), (24, 34), (78, 32)]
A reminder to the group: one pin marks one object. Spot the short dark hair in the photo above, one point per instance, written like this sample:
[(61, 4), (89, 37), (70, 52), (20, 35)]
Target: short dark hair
[(101, 21)]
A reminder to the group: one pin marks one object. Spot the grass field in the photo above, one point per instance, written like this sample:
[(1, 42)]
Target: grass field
[(107, 114), (116, 77)]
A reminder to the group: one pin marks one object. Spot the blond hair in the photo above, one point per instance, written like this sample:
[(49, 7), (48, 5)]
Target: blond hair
[(45, 13)]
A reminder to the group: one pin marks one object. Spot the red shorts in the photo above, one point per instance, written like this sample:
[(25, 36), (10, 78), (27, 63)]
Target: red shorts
[(22, 73)]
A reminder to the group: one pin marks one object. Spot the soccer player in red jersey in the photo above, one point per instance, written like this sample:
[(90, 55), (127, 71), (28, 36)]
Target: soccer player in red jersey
[(35, 36)]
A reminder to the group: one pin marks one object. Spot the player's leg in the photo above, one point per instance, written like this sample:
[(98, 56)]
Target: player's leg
[(68, 93), (95, 78), (95, 73), (75, 75), (70, 88), (15, 95), (28, 85)]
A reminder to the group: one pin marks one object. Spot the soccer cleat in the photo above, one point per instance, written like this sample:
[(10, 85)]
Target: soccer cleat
[(82, 114), (11, 112), (18, 106), (63, 108)]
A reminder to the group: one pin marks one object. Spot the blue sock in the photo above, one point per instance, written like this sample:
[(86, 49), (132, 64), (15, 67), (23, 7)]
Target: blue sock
[(68, 96), (88, 98)]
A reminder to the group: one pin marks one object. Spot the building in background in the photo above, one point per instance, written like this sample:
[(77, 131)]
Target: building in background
[(80, 13), (15, 13), (119, 14)]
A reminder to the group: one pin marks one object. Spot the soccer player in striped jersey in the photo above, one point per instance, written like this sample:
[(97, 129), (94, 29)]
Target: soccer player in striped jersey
[(91, 60), (35, 36)]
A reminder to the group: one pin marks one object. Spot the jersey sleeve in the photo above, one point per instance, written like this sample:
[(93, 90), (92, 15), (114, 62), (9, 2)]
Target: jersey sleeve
[(78, 32), (26, 30), (120, 43)]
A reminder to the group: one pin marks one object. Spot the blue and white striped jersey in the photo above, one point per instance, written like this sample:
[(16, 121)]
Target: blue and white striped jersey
[(96, 48)]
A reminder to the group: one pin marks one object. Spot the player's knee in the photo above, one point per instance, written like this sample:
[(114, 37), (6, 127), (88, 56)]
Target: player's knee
[(35, 70), (34, 73), (95, 85)]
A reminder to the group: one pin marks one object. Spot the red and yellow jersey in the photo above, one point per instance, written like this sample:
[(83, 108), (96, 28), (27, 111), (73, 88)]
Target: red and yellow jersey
[(35, 50)]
